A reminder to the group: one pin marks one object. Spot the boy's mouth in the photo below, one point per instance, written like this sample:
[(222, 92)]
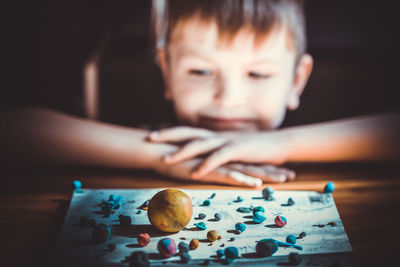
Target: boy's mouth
[(224, 123)]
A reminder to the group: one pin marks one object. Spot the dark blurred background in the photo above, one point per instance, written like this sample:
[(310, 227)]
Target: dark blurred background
[(48, 43)]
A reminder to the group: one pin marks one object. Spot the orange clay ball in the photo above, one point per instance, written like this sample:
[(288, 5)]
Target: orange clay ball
[(170, 210), (212, 235), (194, 243)]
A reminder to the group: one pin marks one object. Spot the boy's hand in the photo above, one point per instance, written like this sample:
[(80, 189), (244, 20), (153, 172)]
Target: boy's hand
[(224, 147)]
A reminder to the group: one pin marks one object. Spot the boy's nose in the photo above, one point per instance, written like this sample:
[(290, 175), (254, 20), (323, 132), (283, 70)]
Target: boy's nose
[(229, 93)]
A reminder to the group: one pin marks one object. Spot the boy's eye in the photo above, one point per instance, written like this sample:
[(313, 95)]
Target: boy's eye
[(200, 72), (257, 75)]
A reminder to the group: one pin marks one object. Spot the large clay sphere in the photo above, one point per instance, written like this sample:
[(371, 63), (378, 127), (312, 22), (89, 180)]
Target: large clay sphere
[(170, 210)]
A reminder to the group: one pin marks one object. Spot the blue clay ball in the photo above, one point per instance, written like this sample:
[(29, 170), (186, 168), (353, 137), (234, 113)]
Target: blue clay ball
[(101, 233), (329, 187), (268, 192), (183, 247), (291, 239), (266, 247), (259, 208), (231, 253), (217, 216), (139, 259), (258, 217), (77, 184), (206, 202), (185, 257), (294, 258), (241, 227)]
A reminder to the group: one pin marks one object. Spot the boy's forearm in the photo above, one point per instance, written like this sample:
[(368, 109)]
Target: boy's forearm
[(373, 138), (38, 135)]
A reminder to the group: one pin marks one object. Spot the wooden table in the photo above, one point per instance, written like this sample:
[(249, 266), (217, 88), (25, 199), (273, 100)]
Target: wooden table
[(33, 203)]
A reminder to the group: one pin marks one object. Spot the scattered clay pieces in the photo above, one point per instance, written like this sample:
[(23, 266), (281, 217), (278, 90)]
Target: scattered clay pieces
[(166, 247), (290, 202), (101, 233), (280, 221), (231, 239), (238, 199), (139, 259), (301, 235), (240, 227), (143, 239), (294, 258), (212, 196), (217, 216), (212, 235), (194, 243)]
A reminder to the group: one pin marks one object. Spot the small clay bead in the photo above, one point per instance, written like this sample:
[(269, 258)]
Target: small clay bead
[(302, 234), (259, 217), (139, 259), (201, 216), (231, 253), (240, 227), (243, 210), (143, 239), (290, 201), (258, 208), (185, 257), (183, 247), (217, 216), (206, 202), (212, 196), (329, 187), (267, 193), (238, 199), (77, 185), (280, 221), (194, 243), (294, 258), (266, 247), (212, 235), (125, 220), (231, 239), (201, 225), (291, 239), (166, 247), (101, 233)]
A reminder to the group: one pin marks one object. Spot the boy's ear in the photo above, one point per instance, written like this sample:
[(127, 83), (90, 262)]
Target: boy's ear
[(162, 61), (301, 76)]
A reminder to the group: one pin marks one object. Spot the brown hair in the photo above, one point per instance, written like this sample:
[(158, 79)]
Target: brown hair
[(261, 16)]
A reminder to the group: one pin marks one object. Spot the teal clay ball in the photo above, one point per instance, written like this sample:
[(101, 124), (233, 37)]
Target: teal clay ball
[(259, 208), (329, 187), (266, 247), (259, 217), (291, 239), (240, 227), (231, 253)]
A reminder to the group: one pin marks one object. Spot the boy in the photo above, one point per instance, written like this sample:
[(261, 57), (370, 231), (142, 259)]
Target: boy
[(231, 69)]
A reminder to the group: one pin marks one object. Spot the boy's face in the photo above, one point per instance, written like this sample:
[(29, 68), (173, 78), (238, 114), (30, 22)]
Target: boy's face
[(235, 85)]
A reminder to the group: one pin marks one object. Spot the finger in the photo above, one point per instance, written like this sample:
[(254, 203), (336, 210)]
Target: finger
[(223, 175), (177, 134), (216, 159), (193, 149), (267, 173)]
